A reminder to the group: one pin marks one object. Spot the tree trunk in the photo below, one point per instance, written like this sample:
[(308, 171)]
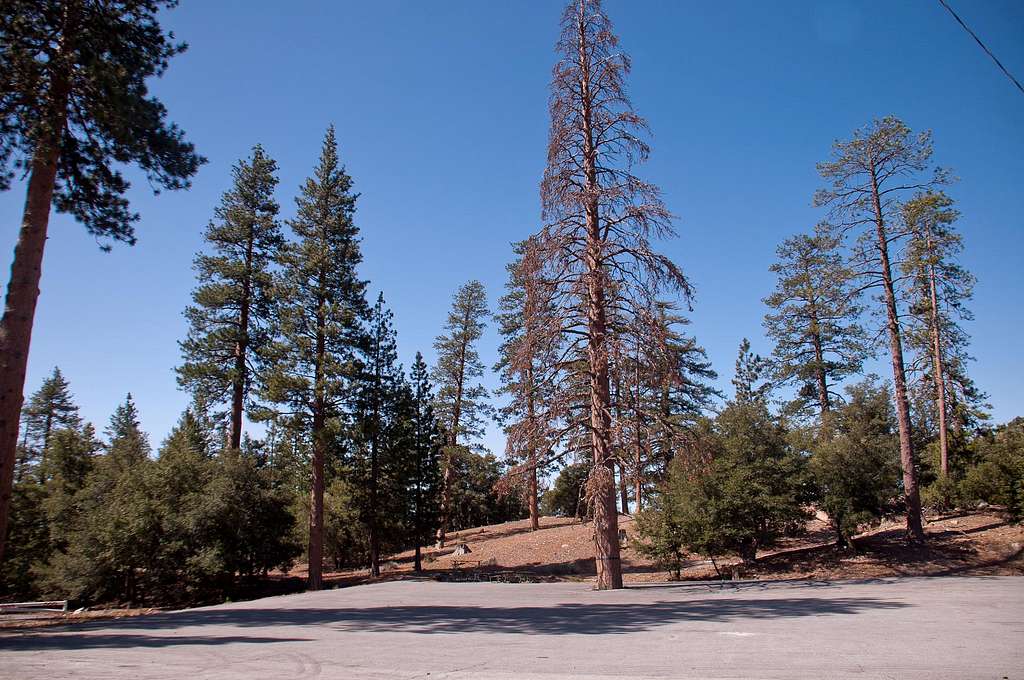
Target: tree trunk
[(19, 312), (820, 378), (241, 348), (915, 531), (939, 371), (623, 489), (446, 500), (417, 561), (316, 509), (372, 528), (316, 506), (532, 454), (606, 519)]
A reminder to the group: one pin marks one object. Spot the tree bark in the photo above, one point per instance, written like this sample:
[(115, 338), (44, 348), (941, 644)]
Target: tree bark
[(606, 519), (22, 295), (915, 531)]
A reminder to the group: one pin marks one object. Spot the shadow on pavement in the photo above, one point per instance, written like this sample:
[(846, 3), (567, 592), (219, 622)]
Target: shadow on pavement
[(559, 619)]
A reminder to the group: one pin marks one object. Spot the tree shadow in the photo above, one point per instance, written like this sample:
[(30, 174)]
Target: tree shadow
[(559, 619), (73, 642)]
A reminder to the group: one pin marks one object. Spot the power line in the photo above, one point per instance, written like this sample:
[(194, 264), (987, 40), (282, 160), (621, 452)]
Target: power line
[(987, 50)]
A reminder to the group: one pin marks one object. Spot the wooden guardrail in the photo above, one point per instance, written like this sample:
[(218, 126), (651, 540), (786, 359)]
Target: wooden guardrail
[(47, 606)]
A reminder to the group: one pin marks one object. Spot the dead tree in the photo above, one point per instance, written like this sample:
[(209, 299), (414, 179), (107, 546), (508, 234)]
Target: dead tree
[(599, 220)]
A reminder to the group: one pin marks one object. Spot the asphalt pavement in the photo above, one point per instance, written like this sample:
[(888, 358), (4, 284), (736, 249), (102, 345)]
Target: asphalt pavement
[(951, 627)]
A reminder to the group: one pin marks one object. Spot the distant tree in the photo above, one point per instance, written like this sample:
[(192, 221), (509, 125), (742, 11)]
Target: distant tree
[(566, 498), (998, 476), (527, 366), (749, 493), (818, 341), (381, 432), (855, 469), (660, 376), (460, 404), (322, 307), (50, 408), (423, 464), (230, 318), (599, 219), (75, 108), (869, 175), (939, 290), (751, 381), (113, 542)]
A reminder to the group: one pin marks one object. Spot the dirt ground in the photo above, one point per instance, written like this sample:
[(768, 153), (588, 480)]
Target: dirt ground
[(970, 543)]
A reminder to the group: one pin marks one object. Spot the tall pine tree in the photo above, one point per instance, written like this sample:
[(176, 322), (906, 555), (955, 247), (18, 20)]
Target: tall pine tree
[(381, 430), (869, 176), (600, 220), (460, 403), (74, 109), (322, 306), (230, 318), (939, 290), (423, 465)]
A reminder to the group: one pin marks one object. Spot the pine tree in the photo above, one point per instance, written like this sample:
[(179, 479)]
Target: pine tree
[(813, 321), (113, 542), (855, 470), (74, 108), (751, 381), (460, 404), (230, 319), (423, 467), (381, 437), (869, 175), (528, 366), (939, 290), (599, 221), (49, 409), (661, 392), (322, 307)]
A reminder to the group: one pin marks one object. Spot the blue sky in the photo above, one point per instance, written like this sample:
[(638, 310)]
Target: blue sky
[(441, 118)]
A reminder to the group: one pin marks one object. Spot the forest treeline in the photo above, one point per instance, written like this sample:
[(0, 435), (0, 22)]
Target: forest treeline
[(605, 396)]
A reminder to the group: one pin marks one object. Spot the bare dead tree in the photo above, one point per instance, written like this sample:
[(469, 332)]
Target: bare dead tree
[(599, 220)]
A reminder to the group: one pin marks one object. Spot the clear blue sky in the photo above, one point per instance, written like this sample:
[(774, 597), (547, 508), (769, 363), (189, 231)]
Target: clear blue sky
[(441, 117)]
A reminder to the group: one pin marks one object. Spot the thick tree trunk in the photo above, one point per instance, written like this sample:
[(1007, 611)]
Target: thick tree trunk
[(606, 519), (19, 313), (915, 531), (939, 373)]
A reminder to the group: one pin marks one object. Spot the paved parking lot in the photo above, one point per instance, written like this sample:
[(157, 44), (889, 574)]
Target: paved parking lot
[(955, 627)]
